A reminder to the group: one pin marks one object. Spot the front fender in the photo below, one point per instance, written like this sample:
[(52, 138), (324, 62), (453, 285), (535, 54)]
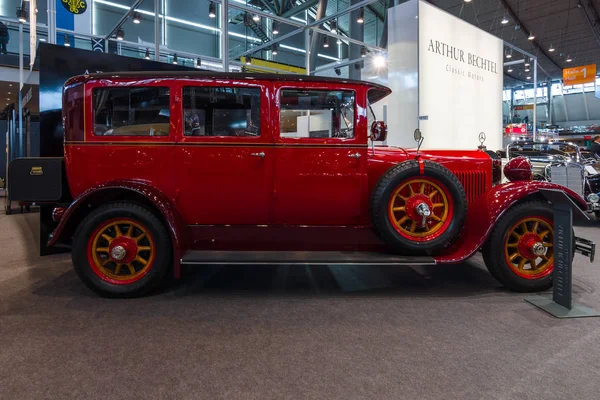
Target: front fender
[(487, 210), (118, 190)]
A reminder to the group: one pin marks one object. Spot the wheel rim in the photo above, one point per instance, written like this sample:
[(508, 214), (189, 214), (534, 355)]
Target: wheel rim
[(409, 203), (528, 247), (121, 251)]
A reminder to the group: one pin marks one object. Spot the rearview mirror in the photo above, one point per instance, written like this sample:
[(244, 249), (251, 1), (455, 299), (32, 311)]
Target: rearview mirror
[(378, 131)]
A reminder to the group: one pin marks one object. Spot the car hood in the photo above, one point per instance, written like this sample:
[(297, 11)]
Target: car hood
[(389, 153)]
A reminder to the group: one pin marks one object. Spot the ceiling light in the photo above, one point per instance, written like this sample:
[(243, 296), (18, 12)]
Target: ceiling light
[(363, 52), (21, 15), (198, 62), (42, 39), (256, 18), (275, 28), (212, 10), (120, 34), (9, 93), (551, 49), (67, 41), (504, 20), (569, 59), (509, 70), (508, 55), (467, 1), (174, 58), (333, 26), (361, 16), (527, 63), (528, 77), (325, 42), (379, 61), (8, 98), (531, 36), (527, 69), (10, 84), (147, 56), (137, 18), (274, 49)]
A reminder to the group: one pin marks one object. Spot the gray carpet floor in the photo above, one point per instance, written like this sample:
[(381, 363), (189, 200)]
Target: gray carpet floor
[(449, 332)]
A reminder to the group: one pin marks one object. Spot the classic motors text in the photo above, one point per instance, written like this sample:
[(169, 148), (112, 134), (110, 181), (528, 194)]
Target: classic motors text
[(457, 54)]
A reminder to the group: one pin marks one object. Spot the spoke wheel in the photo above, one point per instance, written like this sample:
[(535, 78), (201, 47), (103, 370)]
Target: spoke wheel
[(405, 209), (528, 247), (121, 251)]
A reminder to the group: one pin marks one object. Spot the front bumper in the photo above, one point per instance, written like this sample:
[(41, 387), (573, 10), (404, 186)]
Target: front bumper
[(585, 247)]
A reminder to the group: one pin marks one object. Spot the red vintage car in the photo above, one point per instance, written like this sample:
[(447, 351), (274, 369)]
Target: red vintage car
[(165, 169)]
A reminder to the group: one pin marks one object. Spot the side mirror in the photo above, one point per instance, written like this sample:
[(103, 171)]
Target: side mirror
[(418, 135), (378, 131)]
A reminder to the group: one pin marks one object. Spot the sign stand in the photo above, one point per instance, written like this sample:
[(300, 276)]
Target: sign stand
[(560, 304)]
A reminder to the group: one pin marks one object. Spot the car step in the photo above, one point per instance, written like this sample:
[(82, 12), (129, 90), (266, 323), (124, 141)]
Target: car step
[(206, 257)]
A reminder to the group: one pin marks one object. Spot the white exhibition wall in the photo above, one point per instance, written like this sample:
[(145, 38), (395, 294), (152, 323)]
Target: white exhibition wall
[(446, 77)]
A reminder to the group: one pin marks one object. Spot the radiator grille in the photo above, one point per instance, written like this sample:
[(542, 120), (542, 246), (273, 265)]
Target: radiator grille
[(473, 182), (570, 176)]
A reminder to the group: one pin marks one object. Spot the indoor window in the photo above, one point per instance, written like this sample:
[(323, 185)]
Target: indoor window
[(317, 113), (134, 111), (221, 111)]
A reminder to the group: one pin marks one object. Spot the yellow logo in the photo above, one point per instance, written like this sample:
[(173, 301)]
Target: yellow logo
[(75, 6)]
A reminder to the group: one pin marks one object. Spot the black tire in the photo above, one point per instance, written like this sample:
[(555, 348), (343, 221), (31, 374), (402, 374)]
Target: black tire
[(101, 284), (494, 249), (384, 190)]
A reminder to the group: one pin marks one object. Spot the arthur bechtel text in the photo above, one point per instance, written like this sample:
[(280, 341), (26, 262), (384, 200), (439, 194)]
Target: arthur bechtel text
[(435, 46)]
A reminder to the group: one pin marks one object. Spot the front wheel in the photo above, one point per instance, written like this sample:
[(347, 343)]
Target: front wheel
[(519, 252), (121, 250)]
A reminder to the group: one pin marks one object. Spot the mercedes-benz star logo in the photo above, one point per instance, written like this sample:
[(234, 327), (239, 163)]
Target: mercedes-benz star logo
[(481, 137)]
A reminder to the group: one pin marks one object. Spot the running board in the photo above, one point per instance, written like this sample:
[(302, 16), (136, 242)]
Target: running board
[(205, 257)]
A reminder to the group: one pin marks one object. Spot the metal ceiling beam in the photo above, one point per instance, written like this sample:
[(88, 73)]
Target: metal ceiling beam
[(270, 6), (321, 9), (124, 18), (592, 19), (298, 9), (513, 15)]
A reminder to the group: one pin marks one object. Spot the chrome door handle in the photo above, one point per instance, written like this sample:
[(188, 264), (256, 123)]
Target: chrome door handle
[(261, 154), (354, 155)]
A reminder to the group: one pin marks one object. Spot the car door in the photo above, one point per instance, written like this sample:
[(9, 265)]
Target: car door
[(320, 173), (224, 153)]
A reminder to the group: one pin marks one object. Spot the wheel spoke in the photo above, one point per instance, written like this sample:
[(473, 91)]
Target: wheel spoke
[(513, 256), (522, 263), (422, 188), (432, 195), (532, 264), (106, 237), (141, 260), (546, 244), (413, 226), (106, 262), (512, 244), (515, 234), (411, 192), (131, 269), (436, 205), (137, 239), (118, 231), (435, 217), (524, 227), (102, 249), (144, 248), (402, 220), (130, 230), (118, 269), (544, 257), (401, 197), (399, 209), (536, 226), (544, 233)]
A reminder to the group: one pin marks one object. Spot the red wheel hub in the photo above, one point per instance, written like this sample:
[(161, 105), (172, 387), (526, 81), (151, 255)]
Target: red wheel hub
[(413, 202), (123, 249), (526, 244)]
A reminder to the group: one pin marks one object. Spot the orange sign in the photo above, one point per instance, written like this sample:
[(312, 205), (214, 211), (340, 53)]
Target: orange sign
[(579, 75), (523, 107)]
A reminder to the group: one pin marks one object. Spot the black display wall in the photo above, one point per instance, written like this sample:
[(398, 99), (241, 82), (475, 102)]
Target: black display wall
[(57, 64)]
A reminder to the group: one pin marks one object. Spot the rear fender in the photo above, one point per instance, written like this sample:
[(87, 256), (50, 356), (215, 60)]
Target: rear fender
[(124, 190), (487, 210)]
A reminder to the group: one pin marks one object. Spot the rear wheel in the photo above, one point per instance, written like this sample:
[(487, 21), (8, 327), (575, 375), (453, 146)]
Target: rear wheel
[(520, 252), (121, 250)]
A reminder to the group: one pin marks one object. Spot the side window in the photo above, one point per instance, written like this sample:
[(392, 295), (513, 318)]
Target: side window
[(221, 111), (317, 113), (134, 111)]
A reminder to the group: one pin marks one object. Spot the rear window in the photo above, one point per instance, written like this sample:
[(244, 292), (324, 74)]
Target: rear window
[(135, 111)]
